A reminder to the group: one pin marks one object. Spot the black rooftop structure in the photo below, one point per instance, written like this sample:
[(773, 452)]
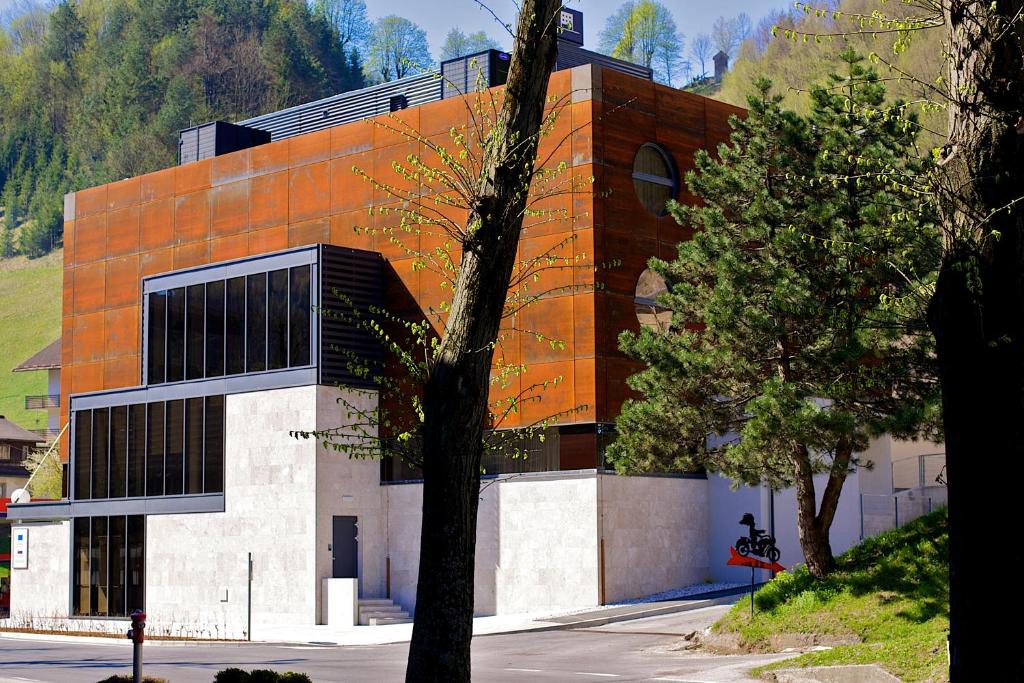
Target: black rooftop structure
[(460, 77)]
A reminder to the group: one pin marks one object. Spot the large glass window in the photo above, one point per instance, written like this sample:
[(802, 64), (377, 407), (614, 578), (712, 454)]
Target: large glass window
[(174, 462), (176, 334), (215, 329), (654, 178), (249, 323), (108, 564), (157, 337), (256, 322), (299, 310), (149, 449), (137, 450), (100, 452), (118, 451), (277, 319), (234, 358), (155, 449), (195, 331)]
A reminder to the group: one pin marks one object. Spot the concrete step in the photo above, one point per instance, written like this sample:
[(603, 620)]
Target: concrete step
[(370, 602), (370, 618), (379, 608), (383, 621)]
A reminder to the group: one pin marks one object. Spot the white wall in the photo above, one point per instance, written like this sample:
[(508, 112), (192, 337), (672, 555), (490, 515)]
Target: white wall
[(44, 589), (655, 532)]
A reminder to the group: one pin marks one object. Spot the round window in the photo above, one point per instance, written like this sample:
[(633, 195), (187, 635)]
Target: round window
[(650, 314), (654, 178)]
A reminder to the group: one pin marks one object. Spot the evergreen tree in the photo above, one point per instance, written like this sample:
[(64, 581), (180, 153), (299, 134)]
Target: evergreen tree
[(797, 308)]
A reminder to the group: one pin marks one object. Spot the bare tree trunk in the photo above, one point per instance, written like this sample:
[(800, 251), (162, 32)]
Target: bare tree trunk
[(977, 316), (813, 524), (455, 396)]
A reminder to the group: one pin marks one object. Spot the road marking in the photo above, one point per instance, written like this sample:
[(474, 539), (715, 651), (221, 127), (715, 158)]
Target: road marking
[(682, 680), (591, 673), (529, 671)]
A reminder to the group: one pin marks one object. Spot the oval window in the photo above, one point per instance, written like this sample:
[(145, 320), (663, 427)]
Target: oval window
[(654, 178), (650, 314)]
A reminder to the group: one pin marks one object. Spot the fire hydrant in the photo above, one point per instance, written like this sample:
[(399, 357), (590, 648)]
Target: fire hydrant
[(137, 634)]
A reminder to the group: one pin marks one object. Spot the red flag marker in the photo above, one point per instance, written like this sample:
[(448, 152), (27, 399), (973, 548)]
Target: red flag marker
[(737, 560)]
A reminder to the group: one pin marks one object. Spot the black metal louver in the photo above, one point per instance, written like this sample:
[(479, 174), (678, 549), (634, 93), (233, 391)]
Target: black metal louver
[(351, 281)]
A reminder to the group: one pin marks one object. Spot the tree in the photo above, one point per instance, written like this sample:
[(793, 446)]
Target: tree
[(797, 316), (348, 18), (700, 48), (458, 44), (397, 47), (977, 311), (728, 34), (644, 32)]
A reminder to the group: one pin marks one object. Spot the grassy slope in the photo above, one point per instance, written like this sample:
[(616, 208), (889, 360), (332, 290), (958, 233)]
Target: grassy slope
[(30, 306), (892, 591)]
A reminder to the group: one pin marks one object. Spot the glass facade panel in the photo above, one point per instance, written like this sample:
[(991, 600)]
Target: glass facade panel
[(195, 331), (174, 463), (234, 355), (215, 328), (155, 449), (80, 566), (99, 583), (299, 307), (108, 565), (213, 465), (137, 450), (249, 323), (83, 455), (118, 451), (176, 334), (277, 319), (194, 445), (136, 578), (117, 554), (100, 452), (256, 322), (156, 337)]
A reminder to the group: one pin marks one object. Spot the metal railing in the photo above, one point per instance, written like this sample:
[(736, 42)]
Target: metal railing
[(43, 401), (921, 471), (46, 433)]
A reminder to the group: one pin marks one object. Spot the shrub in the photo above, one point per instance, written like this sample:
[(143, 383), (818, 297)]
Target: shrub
[(234, 675)]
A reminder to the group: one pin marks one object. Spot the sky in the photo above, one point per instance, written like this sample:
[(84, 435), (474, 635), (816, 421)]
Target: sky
[(692, 16)]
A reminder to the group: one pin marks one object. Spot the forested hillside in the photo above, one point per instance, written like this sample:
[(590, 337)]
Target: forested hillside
[(96, 90), (793, 63)]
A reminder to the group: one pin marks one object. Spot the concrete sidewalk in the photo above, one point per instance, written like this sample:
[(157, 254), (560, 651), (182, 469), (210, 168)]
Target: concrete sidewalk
[(401, 633)]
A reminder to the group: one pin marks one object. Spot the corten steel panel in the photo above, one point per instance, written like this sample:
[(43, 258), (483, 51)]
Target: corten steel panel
[(230, 168), (395, 128), (556, 400), (192, 217), (309, 191), (124, 193), (302, 190), (120, 372), (121, 332), (156, 227), (268, 200), (309, 149), (123, 231), (230, 209)]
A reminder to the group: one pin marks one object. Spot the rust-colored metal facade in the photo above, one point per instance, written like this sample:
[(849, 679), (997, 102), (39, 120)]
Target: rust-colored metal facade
[(302, 190)]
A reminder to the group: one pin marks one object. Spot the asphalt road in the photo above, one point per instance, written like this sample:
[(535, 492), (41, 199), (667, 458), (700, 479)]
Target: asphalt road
[(639, 650)]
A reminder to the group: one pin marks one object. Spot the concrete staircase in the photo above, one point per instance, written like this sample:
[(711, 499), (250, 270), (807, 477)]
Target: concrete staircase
[(379, 611)]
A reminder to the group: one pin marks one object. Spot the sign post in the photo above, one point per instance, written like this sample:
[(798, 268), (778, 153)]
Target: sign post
[(758, 543)]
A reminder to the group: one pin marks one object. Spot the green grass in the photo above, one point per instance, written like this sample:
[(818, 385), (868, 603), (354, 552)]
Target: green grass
[(891, 592), (30, 310)]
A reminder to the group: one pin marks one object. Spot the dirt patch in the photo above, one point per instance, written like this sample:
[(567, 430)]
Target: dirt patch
[(733, 643)]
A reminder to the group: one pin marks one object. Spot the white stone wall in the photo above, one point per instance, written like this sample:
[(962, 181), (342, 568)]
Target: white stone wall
[(43, 591), (655, 532), (348, 487), (270, 511)]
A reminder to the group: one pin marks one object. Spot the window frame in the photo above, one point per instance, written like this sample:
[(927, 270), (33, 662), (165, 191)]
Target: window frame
[(671, 182)]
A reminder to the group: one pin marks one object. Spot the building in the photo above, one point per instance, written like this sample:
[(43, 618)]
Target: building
[(189, 352), (16, 444), (47, 359)]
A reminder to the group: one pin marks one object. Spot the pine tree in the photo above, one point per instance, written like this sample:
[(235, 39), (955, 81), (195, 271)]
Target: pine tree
[(798, 326)]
